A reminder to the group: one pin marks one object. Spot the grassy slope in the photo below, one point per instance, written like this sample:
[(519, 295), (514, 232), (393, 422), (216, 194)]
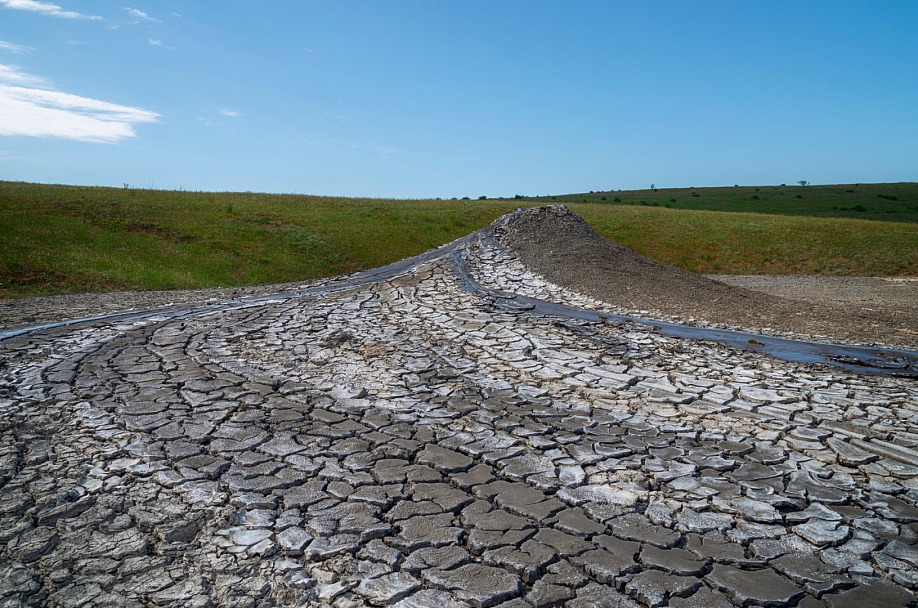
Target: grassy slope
[(882, 202), (745, 243), (57, 239), (65, 238)]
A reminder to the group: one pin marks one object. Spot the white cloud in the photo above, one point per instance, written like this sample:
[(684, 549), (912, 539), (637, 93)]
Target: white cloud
[(34, 112), (141, 15), (13, 75), (230, 113), (15, 48), (45, 8), (160, 44)]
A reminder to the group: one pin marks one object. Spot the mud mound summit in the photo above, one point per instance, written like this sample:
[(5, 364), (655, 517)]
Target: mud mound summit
[(562, 247)]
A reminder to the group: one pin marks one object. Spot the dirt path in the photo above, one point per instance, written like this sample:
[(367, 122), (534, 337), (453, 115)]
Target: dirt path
[(867, 292)]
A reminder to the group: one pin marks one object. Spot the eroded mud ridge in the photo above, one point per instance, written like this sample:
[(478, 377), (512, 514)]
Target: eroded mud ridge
[(402, 440)]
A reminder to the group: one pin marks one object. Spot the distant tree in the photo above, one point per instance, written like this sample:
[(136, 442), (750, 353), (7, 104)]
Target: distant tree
[(803, 182), (653, 187), (482, 198)]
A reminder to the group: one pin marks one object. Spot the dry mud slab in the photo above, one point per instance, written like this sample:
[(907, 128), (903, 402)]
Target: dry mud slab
[(418, 436)]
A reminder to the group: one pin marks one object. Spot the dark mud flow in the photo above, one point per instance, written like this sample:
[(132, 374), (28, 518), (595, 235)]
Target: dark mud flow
[(855, 359)]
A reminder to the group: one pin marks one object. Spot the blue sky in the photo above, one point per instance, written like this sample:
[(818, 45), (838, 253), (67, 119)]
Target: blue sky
[(443, 99)]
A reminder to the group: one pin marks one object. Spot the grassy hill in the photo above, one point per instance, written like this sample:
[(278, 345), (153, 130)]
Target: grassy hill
[(882, 202), (58, 239)]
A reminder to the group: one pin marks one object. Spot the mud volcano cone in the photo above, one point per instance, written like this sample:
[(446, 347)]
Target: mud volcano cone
[(559, 245)]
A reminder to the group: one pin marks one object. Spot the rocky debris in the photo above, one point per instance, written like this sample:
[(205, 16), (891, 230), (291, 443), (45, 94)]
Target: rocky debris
[(449, 452)]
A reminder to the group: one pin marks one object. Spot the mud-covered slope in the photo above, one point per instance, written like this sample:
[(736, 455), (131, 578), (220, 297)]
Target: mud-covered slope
[(559, 245)]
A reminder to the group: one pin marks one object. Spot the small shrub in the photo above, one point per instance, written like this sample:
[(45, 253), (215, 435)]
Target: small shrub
[(482, 198), (859, 208), (696, 195), (305, 243), (799, 196), (617, 199), (888, 197), (755, 197), (850, 191), (672, 200), (603, 198)]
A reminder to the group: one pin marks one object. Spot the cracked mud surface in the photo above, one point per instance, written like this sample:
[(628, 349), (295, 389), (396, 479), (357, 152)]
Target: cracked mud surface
[(409, 443)]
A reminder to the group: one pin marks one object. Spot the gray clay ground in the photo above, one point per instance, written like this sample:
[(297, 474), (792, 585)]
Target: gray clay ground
[(408, 443)]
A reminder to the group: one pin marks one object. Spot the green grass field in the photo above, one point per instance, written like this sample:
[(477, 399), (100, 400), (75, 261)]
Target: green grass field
[(60, 239), (882, 202)]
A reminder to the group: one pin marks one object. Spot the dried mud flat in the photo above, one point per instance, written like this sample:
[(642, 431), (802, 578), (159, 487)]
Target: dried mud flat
[(398, 438)]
